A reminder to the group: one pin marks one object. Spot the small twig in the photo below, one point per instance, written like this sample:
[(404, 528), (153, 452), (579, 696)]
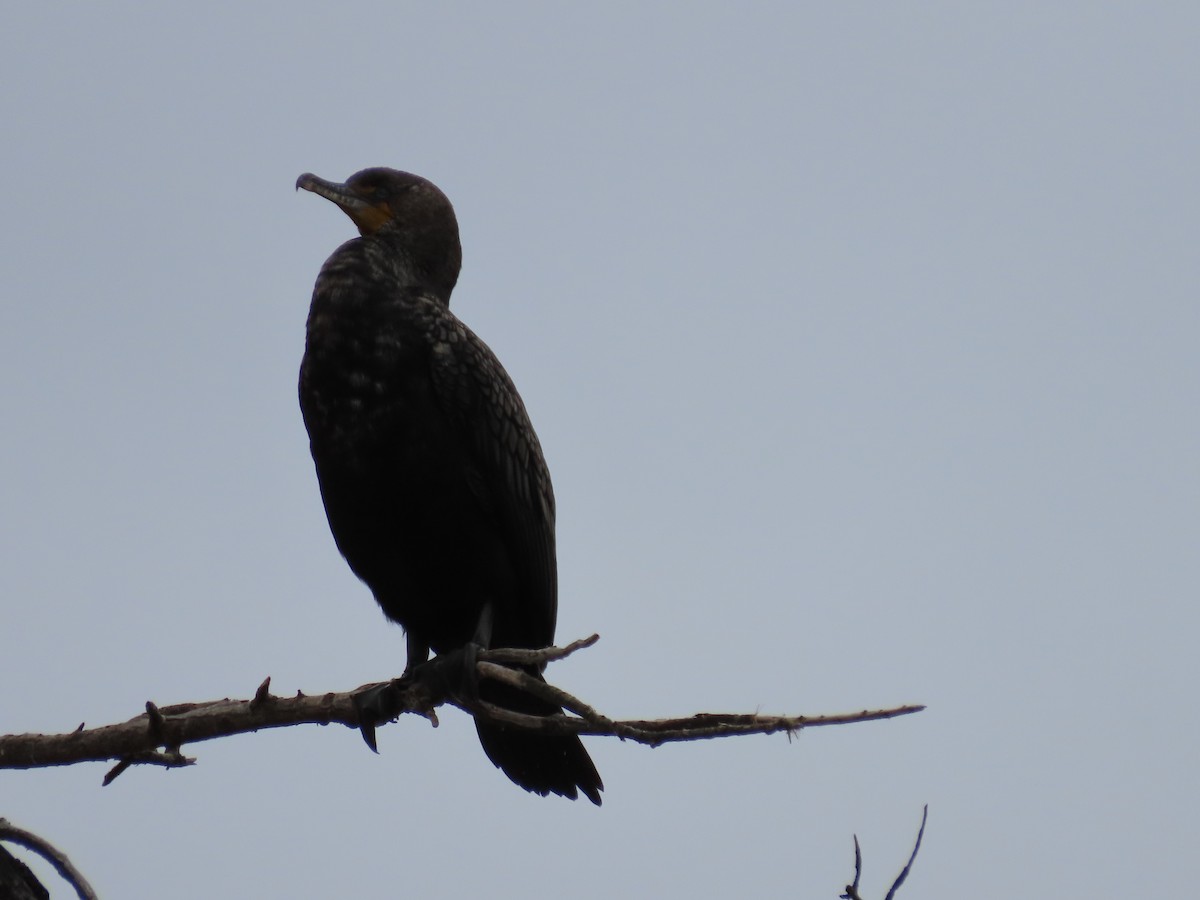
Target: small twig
[(168, 759), (852, 889), (917, 846), (537, 657), (54, 856), (549, 693)]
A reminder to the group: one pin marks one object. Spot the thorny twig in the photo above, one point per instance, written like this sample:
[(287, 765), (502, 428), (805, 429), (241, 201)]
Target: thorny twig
[(155, 737)]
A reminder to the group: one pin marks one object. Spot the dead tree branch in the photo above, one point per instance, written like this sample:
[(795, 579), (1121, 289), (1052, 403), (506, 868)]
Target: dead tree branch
[(852, 889), (11, 833), (157, 736)]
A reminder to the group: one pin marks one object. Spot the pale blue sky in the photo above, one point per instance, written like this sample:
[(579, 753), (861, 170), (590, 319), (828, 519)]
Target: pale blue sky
[(862, 342)]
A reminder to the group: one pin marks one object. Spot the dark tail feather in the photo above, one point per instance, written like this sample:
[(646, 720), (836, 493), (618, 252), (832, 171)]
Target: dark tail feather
[(541, 764)]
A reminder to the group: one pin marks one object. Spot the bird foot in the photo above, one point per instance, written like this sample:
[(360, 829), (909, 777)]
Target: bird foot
[(376, 705), (452, 674)]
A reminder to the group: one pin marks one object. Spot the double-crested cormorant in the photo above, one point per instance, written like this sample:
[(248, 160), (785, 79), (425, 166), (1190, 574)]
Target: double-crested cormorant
[(432, 476)]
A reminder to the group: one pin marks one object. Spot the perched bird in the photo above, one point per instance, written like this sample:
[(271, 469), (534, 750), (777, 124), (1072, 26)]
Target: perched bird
[(433, 479)]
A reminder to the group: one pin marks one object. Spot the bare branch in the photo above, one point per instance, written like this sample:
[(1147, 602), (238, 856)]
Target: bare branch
[(155, 737), (54, 856), (538, 657), (852, 889), (908, 865)]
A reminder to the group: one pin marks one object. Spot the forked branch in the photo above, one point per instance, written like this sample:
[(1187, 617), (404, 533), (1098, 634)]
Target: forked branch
[(157, 736), (852, 889)]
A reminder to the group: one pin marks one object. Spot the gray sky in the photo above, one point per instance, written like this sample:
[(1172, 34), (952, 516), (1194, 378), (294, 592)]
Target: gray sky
[(862, 343)]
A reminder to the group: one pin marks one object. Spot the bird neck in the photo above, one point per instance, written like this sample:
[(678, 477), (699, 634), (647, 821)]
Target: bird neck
[(407, 260)]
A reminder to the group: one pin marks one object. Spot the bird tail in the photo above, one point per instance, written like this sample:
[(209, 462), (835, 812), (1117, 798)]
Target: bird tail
[(543, 764)]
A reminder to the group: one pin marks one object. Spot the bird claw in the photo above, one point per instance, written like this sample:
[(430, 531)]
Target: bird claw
[(367, 730), (453, 674), (374, 706)]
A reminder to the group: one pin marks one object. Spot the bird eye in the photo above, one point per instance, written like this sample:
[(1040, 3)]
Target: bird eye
[(371, 190)]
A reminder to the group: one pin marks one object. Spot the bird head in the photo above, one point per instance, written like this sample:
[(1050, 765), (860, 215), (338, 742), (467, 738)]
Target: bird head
[(379, 198), (404, 213)]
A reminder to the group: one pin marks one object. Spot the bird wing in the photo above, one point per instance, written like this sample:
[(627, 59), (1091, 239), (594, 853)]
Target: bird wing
[(510, 475)]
